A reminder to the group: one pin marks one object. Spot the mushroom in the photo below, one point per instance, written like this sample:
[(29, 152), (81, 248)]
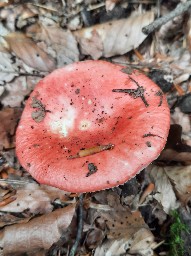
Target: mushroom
[(92, 125)]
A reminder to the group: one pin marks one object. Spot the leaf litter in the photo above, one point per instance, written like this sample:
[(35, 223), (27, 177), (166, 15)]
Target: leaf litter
[(34, 40)]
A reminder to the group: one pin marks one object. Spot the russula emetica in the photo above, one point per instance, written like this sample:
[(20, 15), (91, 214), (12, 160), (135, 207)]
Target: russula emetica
[(91, 125)]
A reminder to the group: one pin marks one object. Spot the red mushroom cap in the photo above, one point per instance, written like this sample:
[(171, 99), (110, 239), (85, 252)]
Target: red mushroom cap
[(91, 125)]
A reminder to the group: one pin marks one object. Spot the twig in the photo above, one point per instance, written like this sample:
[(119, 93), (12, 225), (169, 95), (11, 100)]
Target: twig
[(80, 227), (180, 8)]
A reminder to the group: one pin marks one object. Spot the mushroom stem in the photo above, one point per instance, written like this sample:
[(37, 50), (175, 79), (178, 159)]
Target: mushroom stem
[(92, 151)]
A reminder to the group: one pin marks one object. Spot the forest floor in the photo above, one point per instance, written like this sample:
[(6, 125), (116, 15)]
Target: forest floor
[(149, 214)]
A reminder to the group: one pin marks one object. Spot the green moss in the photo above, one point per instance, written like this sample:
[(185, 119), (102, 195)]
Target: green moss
[(176, 242)]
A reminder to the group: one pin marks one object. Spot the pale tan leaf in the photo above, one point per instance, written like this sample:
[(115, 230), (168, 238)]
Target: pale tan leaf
[(38, 233), (171, 181), (64, 43), (115, 37), (115, 247), (181, 177), (9, 219), (91, 44), (29, 52), (164, 192), (141, 243), (36, 198), (7, 70), (17, 90), (61, 41), (173, 155)]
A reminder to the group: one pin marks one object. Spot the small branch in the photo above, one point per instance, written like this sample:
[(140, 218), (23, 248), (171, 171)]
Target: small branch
[(180, 8), (31, 74), (80, 227)]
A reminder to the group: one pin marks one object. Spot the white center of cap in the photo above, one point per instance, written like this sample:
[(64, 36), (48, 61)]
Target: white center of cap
[(84, 125), (64, 124)]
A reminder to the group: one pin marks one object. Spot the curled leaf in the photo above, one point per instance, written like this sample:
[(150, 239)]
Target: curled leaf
[(114, 37), (29, 52), (38, 233)]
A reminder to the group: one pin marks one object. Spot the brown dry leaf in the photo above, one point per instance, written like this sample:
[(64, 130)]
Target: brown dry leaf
[(9, 219), (91, 45), (16, 91), (164, 192), (141, 243), (117, 222), (8, 121), (38, 233), (7, 70), (61, 41), (178, 179), (94, 238), (36, 198), (181, 178), (120, 221), (173, 155), (115, 37), (113, 247), (29, 52)]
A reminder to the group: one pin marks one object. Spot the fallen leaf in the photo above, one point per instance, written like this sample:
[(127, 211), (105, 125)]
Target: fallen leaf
[(163, 192), (115, 37), (121, 223), (94, 238), (141, 243), (91, 45), (29, 52), (173, 155), (36, 198), (38, 233), (10, 219), (8, 121), (110, 4), (16, 91), (113, 247), (181, 177), (119, 220), (7, 70), (61, 41)]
